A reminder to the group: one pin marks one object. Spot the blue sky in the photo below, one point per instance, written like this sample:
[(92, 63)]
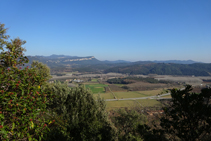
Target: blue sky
[(132, 30)]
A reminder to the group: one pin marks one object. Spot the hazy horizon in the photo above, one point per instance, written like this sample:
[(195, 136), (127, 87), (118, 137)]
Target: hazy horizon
[(112, 30)]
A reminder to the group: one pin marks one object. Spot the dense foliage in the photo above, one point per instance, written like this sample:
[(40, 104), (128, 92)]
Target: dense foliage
[(79, 115), (127, 121), (188, 117), (23, 103)]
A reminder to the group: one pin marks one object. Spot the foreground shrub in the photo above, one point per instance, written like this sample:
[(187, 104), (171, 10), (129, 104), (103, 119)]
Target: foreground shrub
[(188, 117), (22, 102), (79, 115), (127, 122)]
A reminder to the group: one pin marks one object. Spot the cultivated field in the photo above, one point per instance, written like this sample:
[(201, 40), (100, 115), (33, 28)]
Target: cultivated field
[(96, 88), (115, 88), (140, 86), (133, 103), (133, 90), (119, 104), (94, 80), (148, 102), (192, 80), (105, 95), (129, 94)]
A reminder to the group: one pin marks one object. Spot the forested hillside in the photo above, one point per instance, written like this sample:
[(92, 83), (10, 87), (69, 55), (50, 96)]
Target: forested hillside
[(92, 65), (197, 69)]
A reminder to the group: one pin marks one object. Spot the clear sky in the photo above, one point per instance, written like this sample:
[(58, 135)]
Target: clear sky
[(133, 30)]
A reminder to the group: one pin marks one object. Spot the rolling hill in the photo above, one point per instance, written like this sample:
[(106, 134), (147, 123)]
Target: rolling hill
[(197, 69)]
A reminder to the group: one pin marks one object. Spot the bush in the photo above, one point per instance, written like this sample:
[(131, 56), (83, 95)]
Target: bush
[(23, 103), (79, 115), (127, 123), (188, 116)]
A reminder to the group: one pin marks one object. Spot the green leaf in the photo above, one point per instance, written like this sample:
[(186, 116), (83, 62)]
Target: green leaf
[(22, 92), (13, 125), (19, 134), (1, 116), (30, 139), (3, 131)]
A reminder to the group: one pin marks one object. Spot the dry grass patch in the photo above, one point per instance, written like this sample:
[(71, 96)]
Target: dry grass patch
[(168, 96), (118, 104), (130, 94), (104, 95), (107, 96), (133, 103), (115, 88), (150, 92), (135, 94), (148, 102), (142, 86)]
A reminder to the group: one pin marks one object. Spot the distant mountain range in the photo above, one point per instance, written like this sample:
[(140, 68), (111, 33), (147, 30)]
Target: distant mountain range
[(65, 59), (91, 64), (117, 61), (177, 61)]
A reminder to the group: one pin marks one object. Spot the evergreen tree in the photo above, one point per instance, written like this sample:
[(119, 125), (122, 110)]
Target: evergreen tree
[(188, 117), (80, 116)]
